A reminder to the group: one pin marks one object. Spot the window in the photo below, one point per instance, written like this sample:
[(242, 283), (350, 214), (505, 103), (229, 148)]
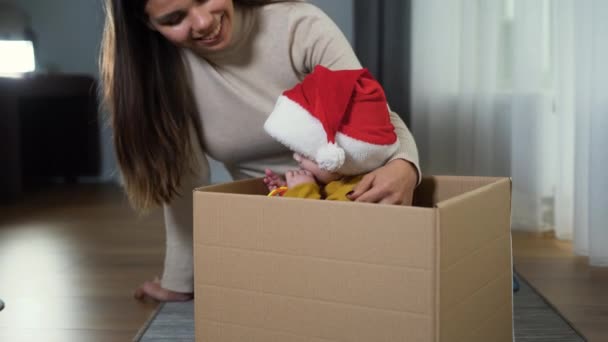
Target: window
[(532, 17)]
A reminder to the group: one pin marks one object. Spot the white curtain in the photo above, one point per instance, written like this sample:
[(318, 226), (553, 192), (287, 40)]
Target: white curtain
[(519, 88)]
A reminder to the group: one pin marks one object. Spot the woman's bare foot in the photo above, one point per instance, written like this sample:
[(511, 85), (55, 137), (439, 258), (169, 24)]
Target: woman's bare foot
[(272, 180), (297, 177), (153, 290)]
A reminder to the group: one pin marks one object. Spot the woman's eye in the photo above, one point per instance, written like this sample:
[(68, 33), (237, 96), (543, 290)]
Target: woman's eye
[(172, 19)]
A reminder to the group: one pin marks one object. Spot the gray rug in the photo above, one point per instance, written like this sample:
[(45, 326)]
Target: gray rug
[(534, 319)]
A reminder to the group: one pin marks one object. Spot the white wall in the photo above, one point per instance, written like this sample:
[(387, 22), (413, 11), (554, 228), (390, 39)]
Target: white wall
[(342, 12), (69, 33)]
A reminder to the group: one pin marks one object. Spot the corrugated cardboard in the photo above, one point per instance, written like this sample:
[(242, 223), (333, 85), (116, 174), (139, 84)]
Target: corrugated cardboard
[(282, 269)]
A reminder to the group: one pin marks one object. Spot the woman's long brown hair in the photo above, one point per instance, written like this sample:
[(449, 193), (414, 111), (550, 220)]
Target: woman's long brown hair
[(145, 88)]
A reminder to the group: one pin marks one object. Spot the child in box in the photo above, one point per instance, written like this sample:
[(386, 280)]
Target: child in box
[(338, 125)]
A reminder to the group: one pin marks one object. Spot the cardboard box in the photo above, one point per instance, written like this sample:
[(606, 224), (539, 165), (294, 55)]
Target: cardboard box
[(283, 269)]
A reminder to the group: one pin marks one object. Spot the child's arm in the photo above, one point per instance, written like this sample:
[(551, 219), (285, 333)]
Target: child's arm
[(302, 184), (297, 183)]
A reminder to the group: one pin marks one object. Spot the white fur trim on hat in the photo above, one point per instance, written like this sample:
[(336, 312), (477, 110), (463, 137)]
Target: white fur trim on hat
[(295, 127), (330, 157), (362, 157)]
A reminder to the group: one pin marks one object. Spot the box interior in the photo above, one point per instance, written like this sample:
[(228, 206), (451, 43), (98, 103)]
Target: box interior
[(432, 189)]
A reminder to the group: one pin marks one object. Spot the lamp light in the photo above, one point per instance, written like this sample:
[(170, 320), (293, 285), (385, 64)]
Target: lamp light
[(16, 58)]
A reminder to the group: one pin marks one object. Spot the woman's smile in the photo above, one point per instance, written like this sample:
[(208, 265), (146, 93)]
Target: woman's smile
[(215, 36), (201, 26)]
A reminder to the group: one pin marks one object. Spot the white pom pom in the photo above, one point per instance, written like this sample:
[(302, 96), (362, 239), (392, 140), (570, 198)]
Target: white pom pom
[(330, 157)]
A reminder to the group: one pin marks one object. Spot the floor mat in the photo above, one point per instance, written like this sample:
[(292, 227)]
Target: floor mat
[(534, 320)]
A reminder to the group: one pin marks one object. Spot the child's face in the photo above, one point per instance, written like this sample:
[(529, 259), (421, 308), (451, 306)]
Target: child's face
[(322, 176)]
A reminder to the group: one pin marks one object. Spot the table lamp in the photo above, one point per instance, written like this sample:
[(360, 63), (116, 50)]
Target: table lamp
[(17, 50)]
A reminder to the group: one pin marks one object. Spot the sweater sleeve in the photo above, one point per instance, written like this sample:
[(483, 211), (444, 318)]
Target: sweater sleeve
[(178, 267), (315, 39), (407, 145)]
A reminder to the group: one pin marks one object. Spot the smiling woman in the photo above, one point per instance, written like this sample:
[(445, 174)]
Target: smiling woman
[(183, 79), (200, 26)]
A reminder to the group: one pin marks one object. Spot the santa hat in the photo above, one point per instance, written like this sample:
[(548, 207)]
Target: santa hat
[(340, 119)]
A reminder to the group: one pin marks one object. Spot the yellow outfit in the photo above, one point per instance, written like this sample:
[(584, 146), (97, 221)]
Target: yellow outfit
[(332, 191)]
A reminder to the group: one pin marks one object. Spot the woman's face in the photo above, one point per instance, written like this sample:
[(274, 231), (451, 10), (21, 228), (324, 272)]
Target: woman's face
[(199, 25)]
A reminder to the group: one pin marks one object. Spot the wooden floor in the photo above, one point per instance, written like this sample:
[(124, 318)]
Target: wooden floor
[(70, 258), (578, 291)]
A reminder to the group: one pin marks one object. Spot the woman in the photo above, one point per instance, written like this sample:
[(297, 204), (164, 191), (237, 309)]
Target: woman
[(185, 78)]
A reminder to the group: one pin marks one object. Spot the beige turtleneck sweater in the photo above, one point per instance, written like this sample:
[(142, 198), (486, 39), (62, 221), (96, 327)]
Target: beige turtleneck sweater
[(273, 48)]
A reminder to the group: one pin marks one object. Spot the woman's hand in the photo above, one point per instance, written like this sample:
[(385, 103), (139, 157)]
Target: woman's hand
[(393, 183)]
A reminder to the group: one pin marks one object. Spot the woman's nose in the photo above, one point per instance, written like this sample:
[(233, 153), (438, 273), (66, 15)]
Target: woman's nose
[(202, 21)]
